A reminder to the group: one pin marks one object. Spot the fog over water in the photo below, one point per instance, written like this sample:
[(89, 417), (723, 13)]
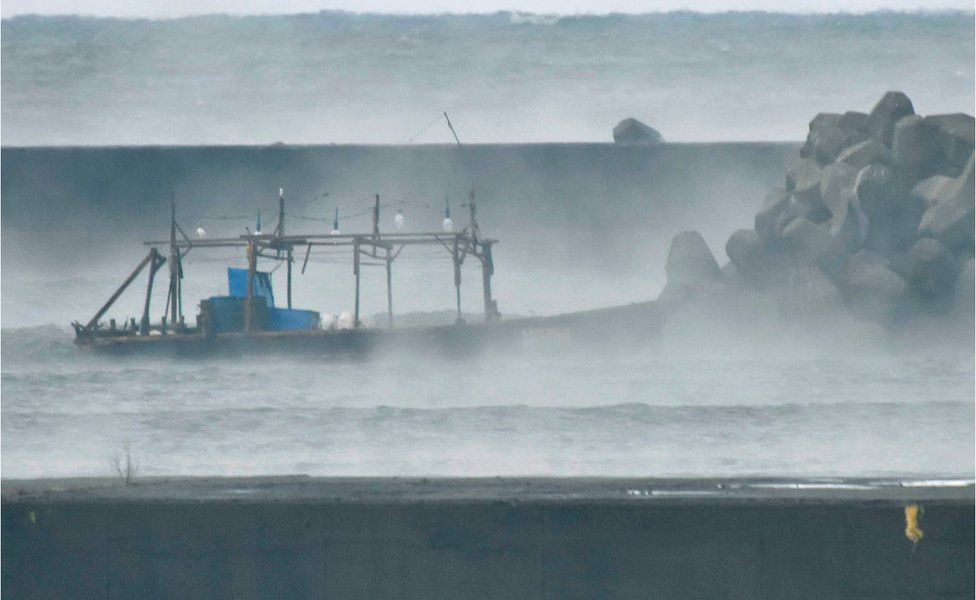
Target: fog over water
[(580, 226)]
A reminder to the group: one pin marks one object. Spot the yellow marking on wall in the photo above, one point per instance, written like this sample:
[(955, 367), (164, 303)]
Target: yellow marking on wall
[(913, 532)]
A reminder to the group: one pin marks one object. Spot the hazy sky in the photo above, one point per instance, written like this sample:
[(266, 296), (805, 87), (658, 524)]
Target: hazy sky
[(175, 8)]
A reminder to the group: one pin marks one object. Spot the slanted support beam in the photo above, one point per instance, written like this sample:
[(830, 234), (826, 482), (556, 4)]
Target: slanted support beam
[(128, 281)]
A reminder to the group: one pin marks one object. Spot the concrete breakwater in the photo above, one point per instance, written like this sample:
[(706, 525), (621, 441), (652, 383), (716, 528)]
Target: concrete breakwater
[(876, 217), (487, 538), (520, 187)]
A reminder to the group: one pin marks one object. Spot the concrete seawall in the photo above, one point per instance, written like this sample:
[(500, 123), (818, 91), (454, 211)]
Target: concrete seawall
[(536, 185), (496, 538)]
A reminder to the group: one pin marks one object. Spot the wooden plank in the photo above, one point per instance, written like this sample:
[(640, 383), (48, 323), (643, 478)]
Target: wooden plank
[(144, 323), (135, 273)]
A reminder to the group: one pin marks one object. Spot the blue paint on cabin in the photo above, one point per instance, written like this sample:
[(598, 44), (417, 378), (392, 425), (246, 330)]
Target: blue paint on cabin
[(237, 284), (227, 312)]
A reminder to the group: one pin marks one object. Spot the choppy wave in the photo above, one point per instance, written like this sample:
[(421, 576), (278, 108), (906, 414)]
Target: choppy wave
[(506, 77)]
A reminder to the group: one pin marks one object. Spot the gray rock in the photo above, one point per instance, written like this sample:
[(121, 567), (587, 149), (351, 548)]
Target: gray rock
[(900, 263), (964, 303), (891, 215), (933, 268), (928, 191), (632, 131), (877, 191), (956, 133), (810, 293), (753, 261), (915, 148), (892, 107), (731, 275), (865, 153), (802, 171), (831, 133), (837, 192), (873, 291), (819, 126), (793, 211), (950, 219), (766, 219), (808, 242), (690, 262)]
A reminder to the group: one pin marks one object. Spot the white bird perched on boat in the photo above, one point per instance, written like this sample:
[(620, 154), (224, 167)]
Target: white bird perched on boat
[(398, 220), (201, 233)]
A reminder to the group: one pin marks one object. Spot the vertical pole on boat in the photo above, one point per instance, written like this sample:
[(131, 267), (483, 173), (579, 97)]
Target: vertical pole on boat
[(174, 269), (473, 226), (252, 263), (376, 217), (355, 270), (281, 233), (179, 286), (389, 284), (487, 270), (455, 255), (153, 260), (289, 277)]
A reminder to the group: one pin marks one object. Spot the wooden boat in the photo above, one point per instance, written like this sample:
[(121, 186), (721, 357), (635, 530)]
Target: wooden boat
[(247, 320)]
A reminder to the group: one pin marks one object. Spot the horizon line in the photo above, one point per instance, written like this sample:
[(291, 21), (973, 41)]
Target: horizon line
[(920, 11)]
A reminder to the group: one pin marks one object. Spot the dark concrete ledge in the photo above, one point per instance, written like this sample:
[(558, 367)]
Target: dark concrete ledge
[(299, 537), (586, 490)]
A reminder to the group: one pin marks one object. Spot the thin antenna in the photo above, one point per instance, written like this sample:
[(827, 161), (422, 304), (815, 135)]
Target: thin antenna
[(451, 127), (464, 158)]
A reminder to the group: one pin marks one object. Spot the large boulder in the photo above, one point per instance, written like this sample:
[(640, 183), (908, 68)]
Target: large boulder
[(831, 133), (753, 261), (873, 291), (803, 178), (837, 192), (865, 153), (892, 215), (774, 204), (950, 219), (892, 107), (964, 304), (808, 243), (632, 131), (929, 191), (915, 148), (877, 191), (956, 133), (810, 293), (690, 263), (932, 268), (802, 172)]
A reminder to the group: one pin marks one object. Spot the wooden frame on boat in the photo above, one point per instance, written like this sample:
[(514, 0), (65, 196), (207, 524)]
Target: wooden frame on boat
[(375, 246)]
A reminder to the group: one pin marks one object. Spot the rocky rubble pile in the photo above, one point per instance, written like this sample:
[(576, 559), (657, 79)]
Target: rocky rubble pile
[(875, 215)]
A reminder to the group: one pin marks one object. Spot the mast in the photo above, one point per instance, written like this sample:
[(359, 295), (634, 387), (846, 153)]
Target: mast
[(174, 269), (281, 233)]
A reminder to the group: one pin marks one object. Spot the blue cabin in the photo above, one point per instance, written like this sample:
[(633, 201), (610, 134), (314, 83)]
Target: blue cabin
[(227, 312)]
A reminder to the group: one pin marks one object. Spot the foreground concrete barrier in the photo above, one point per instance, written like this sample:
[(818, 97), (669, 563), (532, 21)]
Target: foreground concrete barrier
[(499, 538)]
